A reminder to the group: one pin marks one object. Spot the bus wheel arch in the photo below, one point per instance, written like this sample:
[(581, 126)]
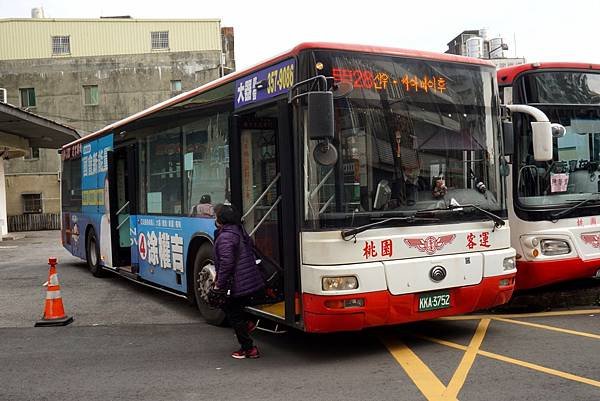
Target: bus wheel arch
[(92, 252), (200, 268)]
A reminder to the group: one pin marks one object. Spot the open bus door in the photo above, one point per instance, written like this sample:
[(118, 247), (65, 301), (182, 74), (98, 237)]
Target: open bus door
[(266, 197), (122, 170)]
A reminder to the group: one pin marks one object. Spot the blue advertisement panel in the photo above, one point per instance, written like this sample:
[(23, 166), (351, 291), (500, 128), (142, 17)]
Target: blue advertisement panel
[(161, 246), (74, 226), (94, 192), (265, 84)]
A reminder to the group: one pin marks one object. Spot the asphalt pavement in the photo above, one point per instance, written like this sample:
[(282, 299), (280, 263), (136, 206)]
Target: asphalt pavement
[(130, 342)]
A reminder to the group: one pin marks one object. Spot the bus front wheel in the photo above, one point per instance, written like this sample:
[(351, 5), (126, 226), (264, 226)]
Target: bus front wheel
[(204, 277), (92, 253)]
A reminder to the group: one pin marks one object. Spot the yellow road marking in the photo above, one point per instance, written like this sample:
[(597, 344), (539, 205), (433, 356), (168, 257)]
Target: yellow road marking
[(523, 315), (460, 375), (518, 362), (543, 326), (427, 382)]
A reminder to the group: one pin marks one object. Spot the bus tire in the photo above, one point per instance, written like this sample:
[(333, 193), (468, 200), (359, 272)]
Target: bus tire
[(92, 254), (204, 275)]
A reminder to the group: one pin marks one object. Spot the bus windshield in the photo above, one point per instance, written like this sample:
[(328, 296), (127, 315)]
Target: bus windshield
[(573, 174), (412, 135)]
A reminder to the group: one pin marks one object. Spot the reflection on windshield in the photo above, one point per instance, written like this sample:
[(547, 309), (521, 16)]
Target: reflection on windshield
[(574, 172), (415, 150)]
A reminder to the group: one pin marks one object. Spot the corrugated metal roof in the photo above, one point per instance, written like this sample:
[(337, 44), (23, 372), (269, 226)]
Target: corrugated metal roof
[(32, 38)]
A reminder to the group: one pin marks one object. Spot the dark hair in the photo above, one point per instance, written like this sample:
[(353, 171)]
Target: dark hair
[(227, 214), (205, 199)]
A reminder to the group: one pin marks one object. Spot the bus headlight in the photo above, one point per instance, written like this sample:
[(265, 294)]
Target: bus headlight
[(509, 263), (339, 283), (551, 247)]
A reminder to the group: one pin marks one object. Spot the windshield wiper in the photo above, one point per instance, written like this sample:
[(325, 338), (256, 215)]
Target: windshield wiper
[(555, 216), (498, 221), (351, 232)]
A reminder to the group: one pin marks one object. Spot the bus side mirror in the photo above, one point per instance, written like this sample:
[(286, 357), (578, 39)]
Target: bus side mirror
[(508, 136), (320, 115), (542, 140)]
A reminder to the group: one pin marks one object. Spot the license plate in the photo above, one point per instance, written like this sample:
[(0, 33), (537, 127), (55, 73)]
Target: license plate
[(434, 300)]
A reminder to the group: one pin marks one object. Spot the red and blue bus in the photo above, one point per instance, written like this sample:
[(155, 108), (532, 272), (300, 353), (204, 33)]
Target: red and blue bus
[(369, 179), (554, 206)]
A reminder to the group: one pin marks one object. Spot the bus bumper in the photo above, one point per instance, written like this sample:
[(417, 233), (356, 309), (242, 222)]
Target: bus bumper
[(540, 273), (323, 314)]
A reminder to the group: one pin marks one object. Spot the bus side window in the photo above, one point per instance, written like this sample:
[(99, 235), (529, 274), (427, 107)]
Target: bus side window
[(206, 163), (160, 172)]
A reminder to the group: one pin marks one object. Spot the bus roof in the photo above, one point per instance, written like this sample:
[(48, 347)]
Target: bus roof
[(290, 53), (507, 75)]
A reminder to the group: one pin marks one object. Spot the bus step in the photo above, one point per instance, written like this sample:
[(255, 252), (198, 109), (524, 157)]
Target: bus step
[(276, 327)]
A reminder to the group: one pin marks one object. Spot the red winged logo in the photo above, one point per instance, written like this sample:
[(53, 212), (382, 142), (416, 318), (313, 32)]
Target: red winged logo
[(431, 244), (591, 239)]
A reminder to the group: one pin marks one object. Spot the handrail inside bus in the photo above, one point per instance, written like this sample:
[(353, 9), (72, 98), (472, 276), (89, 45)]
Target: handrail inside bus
[(326, 205), (262, 195), (320, 184), (123, 222), (123, 207), (537, 178), (266, 215)]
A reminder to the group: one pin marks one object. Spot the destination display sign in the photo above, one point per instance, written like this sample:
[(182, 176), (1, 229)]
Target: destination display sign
[(265, 84), (381, 80)]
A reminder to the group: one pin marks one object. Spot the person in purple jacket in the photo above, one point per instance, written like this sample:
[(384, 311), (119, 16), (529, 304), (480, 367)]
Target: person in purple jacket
[(237, 272)]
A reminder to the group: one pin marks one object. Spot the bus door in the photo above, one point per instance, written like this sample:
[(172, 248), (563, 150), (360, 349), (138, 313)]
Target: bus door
[(122, 168), (261, 193)]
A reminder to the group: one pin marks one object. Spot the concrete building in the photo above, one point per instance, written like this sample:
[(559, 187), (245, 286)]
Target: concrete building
[(88, 73), (478, 44)]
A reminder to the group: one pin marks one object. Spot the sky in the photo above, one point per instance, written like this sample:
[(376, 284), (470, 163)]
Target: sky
[(550, 30)]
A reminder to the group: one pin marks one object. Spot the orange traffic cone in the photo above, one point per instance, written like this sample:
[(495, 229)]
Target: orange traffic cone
[(54, 312)]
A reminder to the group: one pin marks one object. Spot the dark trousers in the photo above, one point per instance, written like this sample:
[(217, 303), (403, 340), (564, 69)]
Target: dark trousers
[(234, 309)]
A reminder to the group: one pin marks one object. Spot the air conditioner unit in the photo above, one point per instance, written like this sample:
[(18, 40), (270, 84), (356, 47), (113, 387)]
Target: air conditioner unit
[(2, 95)]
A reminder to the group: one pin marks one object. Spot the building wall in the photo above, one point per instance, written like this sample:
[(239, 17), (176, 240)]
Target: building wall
[(99, 37), (46, 184), (33, 176), (47, 162), (116, 56), (126, 84)]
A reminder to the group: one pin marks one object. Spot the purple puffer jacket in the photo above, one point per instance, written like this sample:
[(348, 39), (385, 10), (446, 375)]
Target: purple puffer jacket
[(230, 242)]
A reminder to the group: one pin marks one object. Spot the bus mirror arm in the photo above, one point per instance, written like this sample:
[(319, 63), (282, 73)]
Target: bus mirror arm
[(542, 130)]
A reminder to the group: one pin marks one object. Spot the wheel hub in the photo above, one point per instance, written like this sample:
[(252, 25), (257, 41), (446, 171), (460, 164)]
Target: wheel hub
[(205, 280)]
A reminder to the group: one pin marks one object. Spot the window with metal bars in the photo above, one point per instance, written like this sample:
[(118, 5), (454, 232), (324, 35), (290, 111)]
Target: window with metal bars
[(160, 40), (61, 45), (32, 203)]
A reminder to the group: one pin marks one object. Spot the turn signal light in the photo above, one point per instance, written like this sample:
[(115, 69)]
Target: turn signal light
[(346, 303)]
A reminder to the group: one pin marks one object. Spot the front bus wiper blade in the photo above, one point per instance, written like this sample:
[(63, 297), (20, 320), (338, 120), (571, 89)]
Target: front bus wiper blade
[(352, 232), (498, 221), (555, 216)]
